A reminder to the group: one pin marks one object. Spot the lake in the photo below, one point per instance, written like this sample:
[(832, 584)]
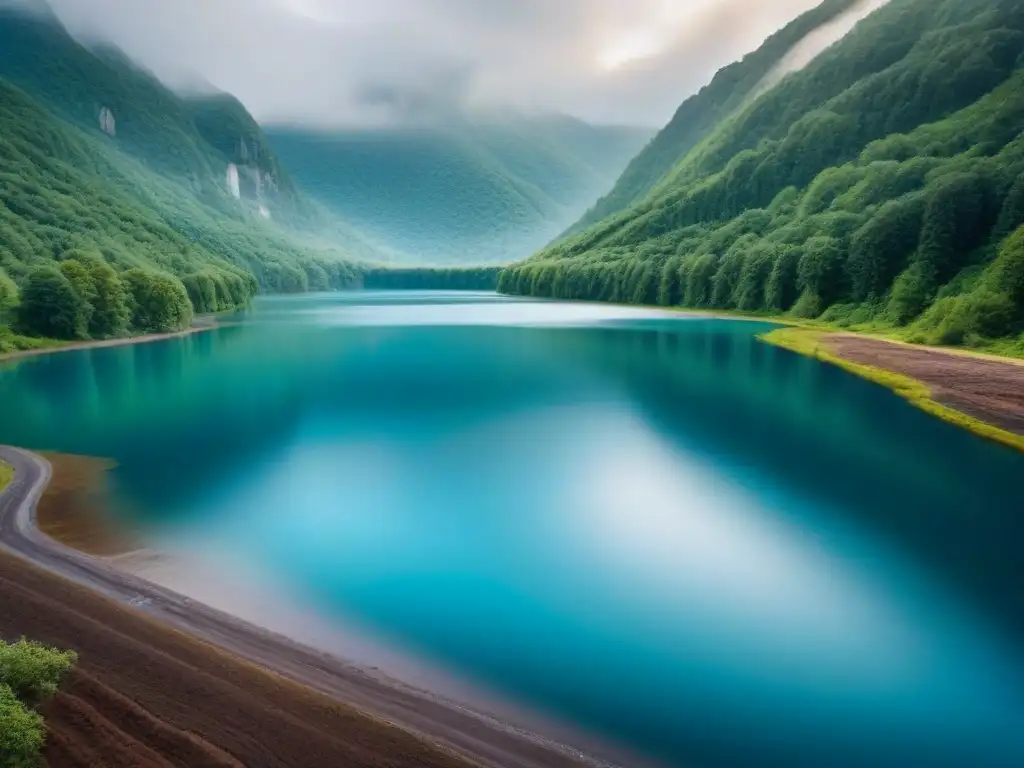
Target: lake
[(653, 527)]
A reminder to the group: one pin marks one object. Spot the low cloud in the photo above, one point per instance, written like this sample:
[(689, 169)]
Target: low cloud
[(344, 62)]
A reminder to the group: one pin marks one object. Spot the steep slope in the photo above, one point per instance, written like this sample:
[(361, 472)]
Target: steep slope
[(65, 190), (880, 186), (116, 211), (200, 142), (460, 191), (700, 113)]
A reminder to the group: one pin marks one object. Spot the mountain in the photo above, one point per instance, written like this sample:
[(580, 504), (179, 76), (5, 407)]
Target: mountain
[(111, 182), (700, 113), (460, 190), (882, 186), (101, 89)]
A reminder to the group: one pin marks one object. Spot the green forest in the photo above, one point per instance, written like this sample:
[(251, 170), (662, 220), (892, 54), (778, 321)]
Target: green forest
[(94, 245), (881, 187), (103, 236), (432, 278)]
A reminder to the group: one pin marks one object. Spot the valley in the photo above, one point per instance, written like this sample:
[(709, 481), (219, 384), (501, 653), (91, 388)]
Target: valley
[(426, 417)]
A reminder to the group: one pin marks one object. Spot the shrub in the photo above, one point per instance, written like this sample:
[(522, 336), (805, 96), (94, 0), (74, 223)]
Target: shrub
[(29, 675), (33, 671), (21, 732)]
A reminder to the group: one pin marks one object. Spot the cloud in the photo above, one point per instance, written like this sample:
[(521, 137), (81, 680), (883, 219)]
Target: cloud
[(338, 62)]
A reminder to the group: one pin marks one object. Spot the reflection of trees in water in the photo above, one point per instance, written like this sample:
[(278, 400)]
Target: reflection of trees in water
[(943, 496), (182, 417)]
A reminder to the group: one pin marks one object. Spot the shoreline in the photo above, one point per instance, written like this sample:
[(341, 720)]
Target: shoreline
[(210, 323), (461, 728), (814, 343), (805, 338)]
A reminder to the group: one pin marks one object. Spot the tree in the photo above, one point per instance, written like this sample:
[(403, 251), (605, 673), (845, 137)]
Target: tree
[(8, 298), (780, 293), (879, 249), (820, 271), (202, 292), (670, 290), (749, 295), (50, 306), (160, 302), (81, 280), (111, 302)]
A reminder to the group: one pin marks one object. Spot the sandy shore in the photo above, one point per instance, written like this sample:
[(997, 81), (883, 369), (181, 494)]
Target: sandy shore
[(452, 727)]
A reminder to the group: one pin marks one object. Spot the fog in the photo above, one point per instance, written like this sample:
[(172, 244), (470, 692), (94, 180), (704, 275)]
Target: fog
[(344, 62)]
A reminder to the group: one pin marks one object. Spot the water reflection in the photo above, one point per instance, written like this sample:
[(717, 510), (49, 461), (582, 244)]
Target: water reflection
[(696, 543)]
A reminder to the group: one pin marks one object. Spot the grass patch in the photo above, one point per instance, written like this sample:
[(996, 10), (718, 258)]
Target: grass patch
[(13, 342), (6, 475), (810, 342)]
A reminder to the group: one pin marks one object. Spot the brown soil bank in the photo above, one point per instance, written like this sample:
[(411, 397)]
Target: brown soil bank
[(988, 389), (145, 695)]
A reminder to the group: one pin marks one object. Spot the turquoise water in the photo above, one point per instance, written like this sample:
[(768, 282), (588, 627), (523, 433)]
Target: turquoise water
[(659, 529)]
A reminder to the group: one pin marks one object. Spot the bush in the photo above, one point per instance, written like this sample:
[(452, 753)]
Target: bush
[(29, 675), (33, 671), (21, 732)]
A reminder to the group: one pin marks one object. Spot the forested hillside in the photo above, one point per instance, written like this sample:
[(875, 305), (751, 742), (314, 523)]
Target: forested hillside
[(119, 226), (882, 186), (700, 113), (459, 190)]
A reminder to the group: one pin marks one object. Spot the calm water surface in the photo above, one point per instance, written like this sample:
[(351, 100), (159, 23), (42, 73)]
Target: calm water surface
[(657, 528)]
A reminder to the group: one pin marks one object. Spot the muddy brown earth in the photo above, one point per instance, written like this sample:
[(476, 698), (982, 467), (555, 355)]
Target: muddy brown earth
[(987, 389), (145, 695)]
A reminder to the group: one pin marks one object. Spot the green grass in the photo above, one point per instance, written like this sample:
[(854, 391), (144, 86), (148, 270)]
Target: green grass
[(6, 475), (809, 342)]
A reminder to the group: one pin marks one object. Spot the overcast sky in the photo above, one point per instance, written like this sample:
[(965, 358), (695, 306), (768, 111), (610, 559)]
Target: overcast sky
[(338, 62)]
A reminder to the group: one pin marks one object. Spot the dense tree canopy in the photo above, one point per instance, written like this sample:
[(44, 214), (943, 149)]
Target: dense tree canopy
[(879, 187), (8, 298), (51, 307), (160, 303), (436, 278)]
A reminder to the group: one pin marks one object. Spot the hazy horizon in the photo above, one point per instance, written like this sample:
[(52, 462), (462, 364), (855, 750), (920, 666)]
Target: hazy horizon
[(608, 62)]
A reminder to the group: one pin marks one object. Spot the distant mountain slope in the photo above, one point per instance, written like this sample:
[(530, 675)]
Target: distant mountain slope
[(701, 112), (881, 187), (193, 140), (462, 191), (64, 190), (125, 208)]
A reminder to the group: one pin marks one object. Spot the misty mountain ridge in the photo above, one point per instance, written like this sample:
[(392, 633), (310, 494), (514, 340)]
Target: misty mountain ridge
[(460, 186), (881, 187)]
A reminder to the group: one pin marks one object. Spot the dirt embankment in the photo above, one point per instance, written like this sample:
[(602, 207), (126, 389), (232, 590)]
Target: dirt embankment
[(988, 389), (145, 695)]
